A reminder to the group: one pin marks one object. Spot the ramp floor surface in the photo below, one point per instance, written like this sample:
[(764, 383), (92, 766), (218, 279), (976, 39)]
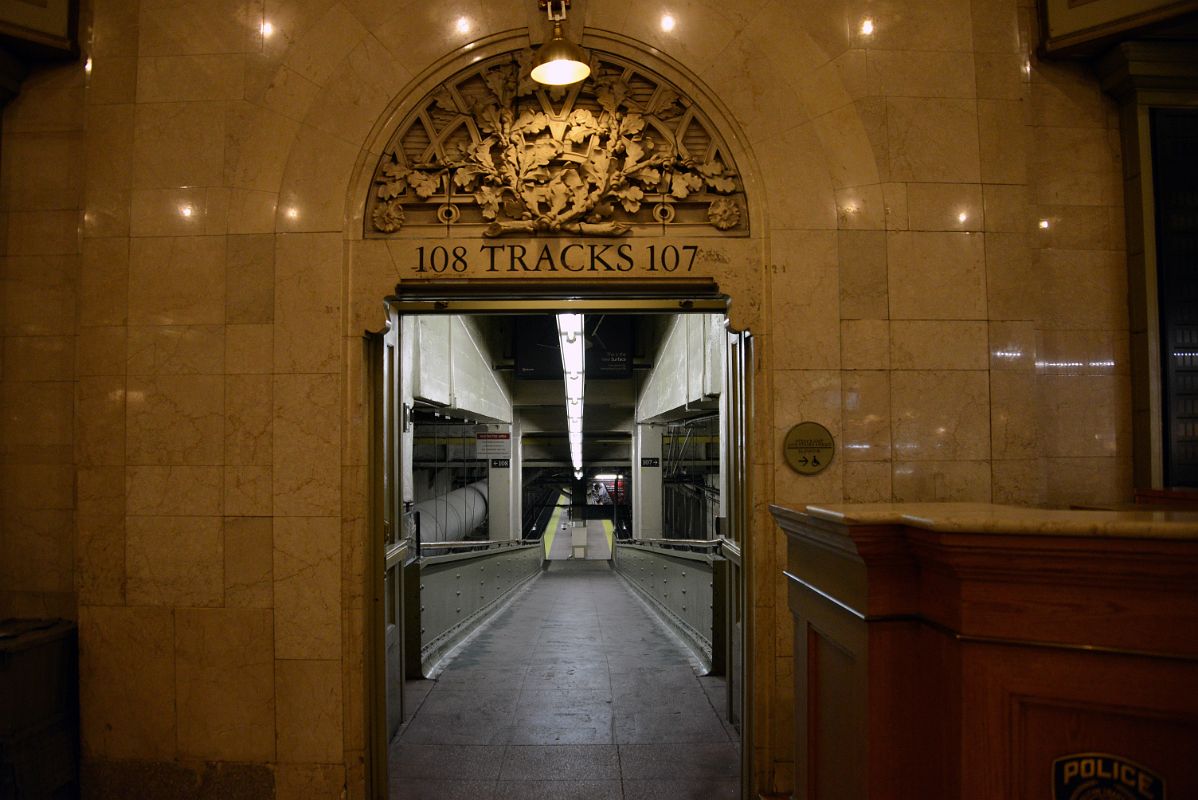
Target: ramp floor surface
[(574, 692)]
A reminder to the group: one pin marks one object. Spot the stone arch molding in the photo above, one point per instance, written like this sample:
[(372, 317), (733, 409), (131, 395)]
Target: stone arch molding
[(489, 153)]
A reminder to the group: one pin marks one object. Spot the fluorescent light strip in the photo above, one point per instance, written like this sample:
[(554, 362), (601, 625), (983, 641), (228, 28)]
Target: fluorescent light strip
[(573, 346)]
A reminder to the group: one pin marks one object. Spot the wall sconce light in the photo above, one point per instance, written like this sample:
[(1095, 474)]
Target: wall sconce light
[(559, 62)]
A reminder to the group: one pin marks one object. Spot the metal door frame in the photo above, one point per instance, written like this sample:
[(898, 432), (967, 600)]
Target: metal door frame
[(613, 296)]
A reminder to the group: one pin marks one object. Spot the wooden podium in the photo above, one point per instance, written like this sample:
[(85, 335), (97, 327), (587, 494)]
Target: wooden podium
[(947, 651)]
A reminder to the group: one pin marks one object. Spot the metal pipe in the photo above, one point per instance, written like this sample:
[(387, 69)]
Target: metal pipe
[(451, 516)]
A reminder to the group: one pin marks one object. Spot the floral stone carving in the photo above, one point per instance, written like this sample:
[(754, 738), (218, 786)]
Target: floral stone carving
[(598, 158)]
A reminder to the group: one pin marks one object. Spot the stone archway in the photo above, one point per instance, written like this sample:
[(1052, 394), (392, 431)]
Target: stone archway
[(480, 175)]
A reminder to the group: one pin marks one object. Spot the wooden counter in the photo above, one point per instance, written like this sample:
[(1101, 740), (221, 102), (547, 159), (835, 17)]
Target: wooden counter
[(957, 650)]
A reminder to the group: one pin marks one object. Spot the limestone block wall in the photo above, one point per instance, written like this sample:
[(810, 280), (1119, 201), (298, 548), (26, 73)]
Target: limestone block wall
[(204, 454)]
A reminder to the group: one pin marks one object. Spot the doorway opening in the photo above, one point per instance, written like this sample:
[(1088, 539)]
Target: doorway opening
[(557, 613)]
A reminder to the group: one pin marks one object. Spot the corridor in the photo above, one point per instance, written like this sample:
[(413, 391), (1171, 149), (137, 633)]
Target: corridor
[(574, 691)]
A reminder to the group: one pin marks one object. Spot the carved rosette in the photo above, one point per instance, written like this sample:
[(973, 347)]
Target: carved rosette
[(492, 148)]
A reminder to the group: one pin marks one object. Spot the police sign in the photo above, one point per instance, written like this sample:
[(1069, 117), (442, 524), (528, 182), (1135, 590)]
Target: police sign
[(1099, 776)]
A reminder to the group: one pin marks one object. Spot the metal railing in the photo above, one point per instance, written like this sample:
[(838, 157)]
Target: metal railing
[(454, 586)]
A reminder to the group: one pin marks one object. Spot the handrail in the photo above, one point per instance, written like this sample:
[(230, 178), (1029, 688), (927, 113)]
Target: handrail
[(726, 547), (730, 550), (397, 553), (669, 542), (463, 549), (488, 543)]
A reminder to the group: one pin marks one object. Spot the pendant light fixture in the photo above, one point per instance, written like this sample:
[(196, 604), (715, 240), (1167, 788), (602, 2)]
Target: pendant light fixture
[(559, 62)]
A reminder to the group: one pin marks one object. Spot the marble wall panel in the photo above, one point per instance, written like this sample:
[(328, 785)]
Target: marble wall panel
[(174, 561), (865, 344), (945, 207), (1087, 481), (177, 281), (939, 345), (197, 27), (101, 350), (38, 358), (865, 414), (1013, 290), (1001, 76), (49, 101), (253, 159), (100, 558), (249, 349), (173, 491), (1018, 482), (175, 419), (868, 207), (41, 172), (1085, 416), (1013, 346), (164, 130), (37, 555), (127, 682), (1073, 167), (308, 270), (942, 482), (104, 282), (867, 482), (796, 154), (941, 415), (863, 287), (933, 139), (1084, 289), (307, 587), (43, 232), (250, 279), (100, 431), (766, 107), (179, 212), (248, 491), (934, 25), (307, 438), (39, 295), (854, 143), (190, 78), (836, 84), (175, 350), (113, 78), (224, 672), (252, 211), (1014, 419), (995, 26), (921, 73), (249, 562), (312, 194), (936, 275), (310, 782), (373, 275), (249, 425), (1007, 208), (308, 711), (1002, 141), (804, 283)]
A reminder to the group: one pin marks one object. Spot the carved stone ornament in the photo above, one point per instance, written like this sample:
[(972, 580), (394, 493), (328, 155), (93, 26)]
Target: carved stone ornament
[(492, 148)]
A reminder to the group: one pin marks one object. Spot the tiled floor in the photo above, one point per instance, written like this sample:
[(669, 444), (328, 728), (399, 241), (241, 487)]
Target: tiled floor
[(574, 691)]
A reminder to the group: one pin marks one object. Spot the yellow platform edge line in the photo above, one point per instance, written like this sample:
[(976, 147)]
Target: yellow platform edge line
[(551, 528)]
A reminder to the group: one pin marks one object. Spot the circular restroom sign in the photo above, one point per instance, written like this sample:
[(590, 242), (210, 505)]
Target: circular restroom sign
[(809, 448)]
